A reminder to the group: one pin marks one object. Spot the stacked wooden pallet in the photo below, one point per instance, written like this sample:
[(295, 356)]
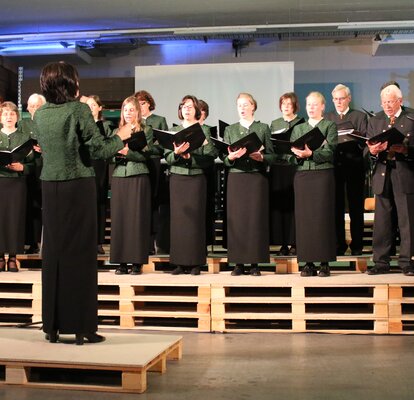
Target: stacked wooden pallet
[(297, 308), (344, 303), (401, 308), (162, 306)]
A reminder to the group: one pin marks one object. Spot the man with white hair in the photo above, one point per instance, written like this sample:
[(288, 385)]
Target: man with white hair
[(34, 193), (350, 167), (393, 184)]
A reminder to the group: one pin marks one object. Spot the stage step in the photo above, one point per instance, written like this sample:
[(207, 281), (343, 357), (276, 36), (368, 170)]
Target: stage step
[(27, 360)]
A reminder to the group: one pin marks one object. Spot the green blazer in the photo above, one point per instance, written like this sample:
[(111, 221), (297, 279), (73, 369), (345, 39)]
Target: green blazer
[(135, 162), (201, 158), (9, 142), (235, 132), (156, 122), (322, 158), (277, 125), (69, 139), (27, 125)]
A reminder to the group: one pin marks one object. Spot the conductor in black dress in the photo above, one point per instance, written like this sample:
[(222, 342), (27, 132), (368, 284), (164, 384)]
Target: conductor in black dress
[(69, 139), (349, 172), (393, 184)]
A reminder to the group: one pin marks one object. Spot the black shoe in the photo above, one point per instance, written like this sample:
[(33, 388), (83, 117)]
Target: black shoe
[(238, 270), (52, 337), (121, 270), (90, 337), (324, 270), (309, 270), (292, 251), (100, 249), (356, 252), (408, 271), (378, 270), (32, 250), (195, 270), (178, 270), (284, 251), (136, 269), (255, 271), (12, 265)]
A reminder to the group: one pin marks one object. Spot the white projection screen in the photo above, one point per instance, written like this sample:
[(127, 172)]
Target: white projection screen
[(219, 86)]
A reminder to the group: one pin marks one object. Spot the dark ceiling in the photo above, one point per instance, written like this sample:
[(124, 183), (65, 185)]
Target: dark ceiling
[(100, 27)]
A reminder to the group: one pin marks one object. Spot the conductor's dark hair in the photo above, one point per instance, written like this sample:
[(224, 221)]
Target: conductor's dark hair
[(59, 82), (195, 103)]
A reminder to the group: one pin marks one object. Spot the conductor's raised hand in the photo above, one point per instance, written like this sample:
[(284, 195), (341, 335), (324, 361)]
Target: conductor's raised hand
[(236, 154), (124, 151), (126, 131)]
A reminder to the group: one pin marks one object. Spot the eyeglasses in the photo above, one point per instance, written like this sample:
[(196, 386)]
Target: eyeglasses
[(389, 103)]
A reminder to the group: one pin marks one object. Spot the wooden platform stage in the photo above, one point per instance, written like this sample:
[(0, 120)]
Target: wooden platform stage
[(346, 302), (120, 364)]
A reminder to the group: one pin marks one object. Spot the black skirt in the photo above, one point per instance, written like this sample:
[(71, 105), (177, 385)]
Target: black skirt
[(12, 214), (247, 218), (130, 219), (188, 219), (315, 215), (69, 269)]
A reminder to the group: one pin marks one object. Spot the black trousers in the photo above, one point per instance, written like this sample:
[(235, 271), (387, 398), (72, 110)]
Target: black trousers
[(383, 237), (349, 184)]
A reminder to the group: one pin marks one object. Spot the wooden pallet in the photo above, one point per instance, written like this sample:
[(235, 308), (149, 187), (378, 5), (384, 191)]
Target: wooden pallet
[(401, 308), (86, 368), (331, 309), (20, 300)]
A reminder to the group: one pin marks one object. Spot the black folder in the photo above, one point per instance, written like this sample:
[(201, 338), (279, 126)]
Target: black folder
[(137, 141), (392, 136), (345, 126), (251, 142), (314, 139), (351, 136), (194, 135), (222, 127), (213, 132), (285, 134), (18, 154), (369, 113)]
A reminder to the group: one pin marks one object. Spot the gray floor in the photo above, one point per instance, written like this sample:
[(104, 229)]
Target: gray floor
[(271, 366)]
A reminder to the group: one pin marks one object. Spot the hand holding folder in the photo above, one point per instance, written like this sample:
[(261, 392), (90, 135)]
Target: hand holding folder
[(137, 141), (313, 139), (251, 142), (193, 135), (17, 154), (391, 136)]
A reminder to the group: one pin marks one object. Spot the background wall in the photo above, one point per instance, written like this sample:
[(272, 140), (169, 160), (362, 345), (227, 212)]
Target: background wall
[(319, 65)]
